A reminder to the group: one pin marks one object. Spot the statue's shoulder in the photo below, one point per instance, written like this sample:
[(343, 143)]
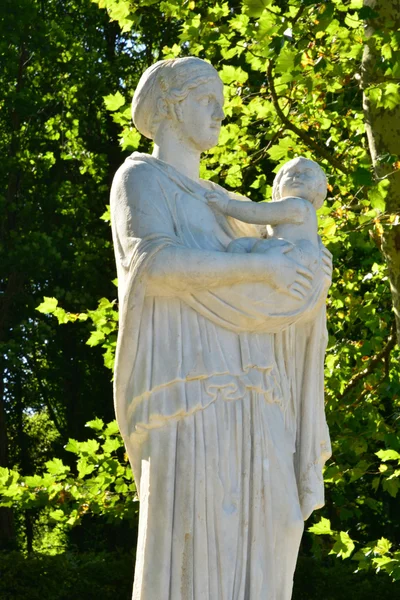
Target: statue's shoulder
[(134, 179), (134, 170)]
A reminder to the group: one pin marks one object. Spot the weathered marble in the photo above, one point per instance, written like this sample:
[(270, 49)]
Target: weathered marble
[(219, 367)]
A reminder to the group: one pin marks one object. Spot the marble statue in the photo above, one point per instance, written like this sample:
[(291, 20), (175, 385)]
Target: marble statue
[(219, 365)]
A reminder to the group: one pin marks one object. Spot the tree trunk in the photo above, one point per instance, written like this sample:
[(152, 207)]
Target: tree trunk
[(383, 131), (7, 533), (24, 457)]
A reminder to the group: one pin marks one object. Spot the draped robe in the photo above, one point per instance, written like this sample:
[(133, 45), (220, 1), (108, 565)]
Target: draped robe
[(219, 399)]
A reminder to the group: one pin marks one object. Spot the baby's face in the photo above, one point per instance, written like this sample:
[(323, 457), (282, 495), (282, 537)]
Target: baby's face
[(300, 180)]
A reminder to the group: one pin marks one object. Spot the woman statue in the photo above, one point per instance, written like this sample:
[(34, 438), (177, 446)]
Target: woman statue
[(219, 367)]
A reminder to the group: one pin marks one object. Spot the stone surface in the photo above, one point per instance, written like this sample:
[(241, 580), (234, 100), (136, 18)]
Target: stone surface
[(219, 367)]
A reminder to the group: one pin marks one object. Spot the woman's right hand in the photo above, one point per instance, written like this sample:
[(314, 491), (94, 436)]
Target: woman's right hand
[(287, 275)]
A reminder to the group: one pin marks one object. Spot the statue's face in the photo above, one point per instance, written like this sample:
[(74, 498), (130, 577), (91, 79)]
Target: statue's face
[(201, 115), (300, 180)]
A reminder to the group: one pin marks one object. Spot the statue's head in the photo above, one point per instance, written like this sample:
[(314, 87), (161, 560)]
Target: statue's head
[(301, 177), (184, 93)]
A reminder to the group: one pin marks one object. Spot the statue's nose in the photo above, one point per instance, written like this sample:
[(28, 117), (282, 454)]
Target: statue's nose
[(219, 114)]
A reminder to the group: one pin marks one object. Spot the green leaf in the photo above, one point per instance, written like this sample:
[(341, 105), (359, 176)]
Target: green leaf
[(56, 467), (352, 20), (323, 527), (391, 486), (72, 446), (73, 518), (382, 546), (96, 338), (96, 424), (62, 316), (89, 447), (385, 455), (57, 515), (48, 306), (360, 469), (34, 481), (255, 8), (230, 74), (114, 101), (85, 468), (121, 487), (130, 139), (344, 545), (284, 149), (112, 428), (356, 4), (391, 96), (378, 194), (329, 226), (106, 215), (286, 60), (240, 22), (359, 446), (362, 176), (234, 176), (112, 444)]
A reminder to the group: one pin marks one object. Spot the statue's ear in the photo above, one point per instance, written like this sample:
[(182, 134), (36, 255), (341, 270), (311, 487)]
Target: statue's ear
[(162, 109), (177, 110)]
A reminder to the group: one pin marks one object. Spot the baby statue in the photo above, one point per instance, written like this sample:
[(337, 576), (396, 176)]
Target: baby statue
[(299, 189)]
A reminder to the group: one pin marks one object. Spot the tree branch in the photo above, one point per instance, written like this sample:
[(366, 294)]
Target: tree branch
[(382, 355), (298, 14), (301, 134)]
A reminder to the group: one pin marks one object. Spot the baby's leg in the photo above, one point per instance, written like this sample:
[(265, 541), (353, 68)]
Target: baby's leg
[(303, 251)]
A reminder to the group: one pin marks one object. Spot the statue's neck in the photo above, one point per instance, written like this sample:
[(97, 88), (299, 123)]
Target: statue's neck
[(179, 154)]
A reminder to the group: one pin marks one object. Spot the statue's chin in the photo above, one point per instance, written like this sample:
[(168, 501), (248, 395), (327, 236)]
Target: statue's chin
[(212, 140)]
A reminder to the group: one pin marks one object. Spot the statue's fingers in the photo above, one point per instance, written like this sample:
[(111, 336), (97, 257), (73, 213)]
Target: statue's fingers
[(303, 281), (327, 271), (295, 293), (327, 259), (299, 288), (327, 265), (304, 271)]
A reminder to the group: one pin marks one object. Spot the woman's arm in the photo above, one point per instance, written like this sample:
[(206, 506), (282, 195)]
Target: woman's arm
[(290, 210), (177, 270), (139, 210)]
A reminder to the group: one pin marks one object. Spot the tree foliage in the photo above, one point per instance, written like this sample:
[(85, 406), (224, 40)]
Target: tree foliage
[(301, 78), (100, 482)]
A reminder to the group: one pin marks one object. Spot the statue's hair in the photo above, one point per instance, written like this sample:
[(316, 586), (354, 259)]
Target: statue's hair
[(164, 83), (322, 181)]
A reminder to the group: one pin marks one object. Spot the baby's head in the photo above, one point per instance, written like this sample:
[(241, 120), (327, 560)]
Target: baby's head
[(301, 177)]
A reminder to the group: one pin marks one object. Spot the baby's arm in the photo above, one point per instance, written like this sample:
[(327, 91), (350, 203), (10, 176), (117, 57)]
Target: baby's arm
[(290, 210)]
